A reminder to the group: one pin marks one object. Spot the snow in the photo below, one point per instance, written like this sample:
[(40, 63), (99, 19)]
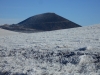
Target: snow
[(4, 32), (73, 51)]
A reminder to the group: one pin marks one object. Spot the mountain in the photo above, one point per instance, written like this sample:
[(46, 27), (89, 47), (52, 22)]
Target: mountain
[(42, 22), (47, 21)]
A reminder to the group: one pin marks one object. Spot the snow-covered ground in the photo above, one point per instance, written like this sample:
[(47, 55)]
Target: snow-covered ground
[(4, 32), (73, 51)]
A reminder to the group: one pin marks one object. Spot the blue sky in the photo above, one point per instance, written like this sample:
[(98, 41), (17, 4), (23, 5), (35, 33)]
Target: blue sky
[(82, 12)]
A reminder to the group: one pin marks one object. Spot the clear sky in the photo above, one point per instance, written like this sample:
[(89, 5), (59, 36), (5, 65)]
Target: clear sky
[(82, 12)]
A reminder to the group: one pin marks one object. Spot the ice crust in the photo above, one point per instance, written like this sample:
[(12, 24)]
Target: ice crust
[(73, 51)]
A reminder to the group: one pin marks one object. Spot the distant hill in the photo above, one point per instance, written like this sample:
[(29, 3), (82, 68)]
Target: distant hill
[(47, 21), (42, 22)]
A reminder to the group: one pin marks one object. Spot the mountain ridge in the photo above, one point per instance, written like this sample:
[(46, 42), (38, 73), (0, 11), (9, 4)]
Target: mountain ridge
[(53, 20), (42, 22)]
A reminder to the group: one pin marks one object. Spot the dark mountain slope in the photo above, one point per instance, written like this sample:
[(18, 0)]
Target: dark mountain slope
[(42, 22), (47, 22)]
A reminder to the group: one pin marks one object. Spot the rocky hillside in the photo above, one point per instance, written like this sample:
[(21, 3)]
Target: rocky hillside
[(42, 22), (48, 21)]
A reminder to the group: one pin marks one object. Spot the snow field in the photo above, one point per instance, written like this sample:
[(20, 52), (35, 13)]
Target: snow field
[(61, 52)]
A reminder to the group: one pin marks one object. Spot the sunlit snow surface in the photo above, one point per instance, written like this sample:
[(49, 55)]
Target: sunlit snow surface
[(61, 52)]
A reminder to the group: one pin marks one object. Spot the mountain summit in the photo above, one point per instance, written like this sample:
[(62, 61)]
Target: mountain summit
[(42, 22), (47, 22)]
